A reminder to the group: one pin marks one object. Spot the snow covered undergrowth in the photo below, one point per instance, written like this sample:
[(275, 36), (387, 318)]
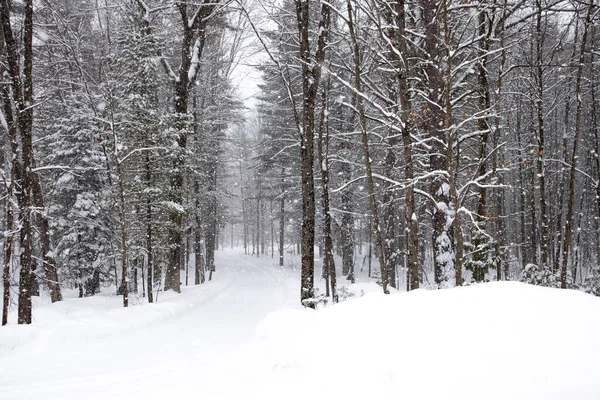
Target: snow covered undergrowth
[(502, 340)]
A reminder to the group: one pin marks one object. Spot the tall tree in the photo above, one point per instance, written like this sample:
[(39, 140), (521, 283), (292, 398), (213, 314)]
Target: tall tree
[(436, 126), (574, 154), (311, 66), (23, 97), (194, 18), (367, 152)]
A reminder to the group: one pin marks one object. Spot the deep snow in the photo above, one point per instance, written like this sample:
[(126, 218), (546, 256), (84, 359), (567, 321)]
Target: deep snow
[(243, 335), (500, 340)]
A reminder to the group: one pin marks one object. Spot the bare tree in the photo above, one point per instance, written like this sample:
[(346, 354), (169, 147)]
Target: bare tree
[(574, 155)]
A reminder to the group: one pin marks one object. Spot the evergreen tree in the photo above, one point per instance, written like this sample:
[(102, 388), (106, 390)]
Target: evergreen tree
[(80, 211)]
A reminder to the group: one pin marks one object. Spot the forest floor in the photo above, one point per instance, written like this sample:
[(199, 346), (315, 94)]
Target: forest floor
[(244, 336)]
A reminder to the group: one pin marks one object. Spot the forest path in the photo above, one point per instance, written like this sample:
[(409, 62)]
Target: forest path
[(203, 352)]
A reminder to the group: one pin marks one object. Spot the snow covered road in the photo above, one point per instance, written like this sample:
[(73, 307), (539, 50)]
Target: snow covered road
[(202, 350)]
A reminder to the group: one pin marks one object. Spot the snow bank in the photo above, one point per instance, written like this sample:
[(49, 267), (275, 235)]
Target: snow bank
[(503, 340), (87, 319)]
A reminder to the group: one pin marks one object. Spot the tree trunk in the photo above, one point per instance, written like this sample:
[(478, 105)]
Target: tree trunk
[(272, 228), (497, 194), (262, 229), (200, 276), (282, 219), (525, 244), (367, 156), (211, 222), (258, 214), (346, 197), (347, 225), (192, 45), (10, 185), (48, 261), (557, 234), (134, 284), (244, 213), (389, 213), (22, 93), (188, 252), (311, 76), (481, 250), (541, 137), (122, 215), (400, 56), (143, 280), (8, 246), (596, 131), (453, 154), (573, 169), (149, 246), (328, 261), (443, 258), (200, 272)]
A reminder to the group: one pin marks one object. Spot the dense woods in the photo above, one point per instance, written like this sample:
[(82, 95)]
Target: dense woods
[(451, 141)]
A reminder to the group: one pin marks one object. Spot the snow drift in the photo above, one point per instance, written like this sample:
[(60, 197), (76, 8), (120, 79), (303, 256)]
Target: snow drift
[(502, 340), (93, 318)]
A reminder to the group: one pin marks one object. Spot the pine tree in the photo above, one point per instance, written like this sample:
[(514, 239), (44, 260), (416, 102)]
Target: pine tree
[(81, 216)]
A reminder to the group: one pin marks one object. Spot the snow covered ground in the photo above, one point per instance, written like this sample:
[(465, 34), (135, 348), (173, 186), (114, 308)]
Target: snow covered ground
[(501, 340), (189, 345), (243, 336)]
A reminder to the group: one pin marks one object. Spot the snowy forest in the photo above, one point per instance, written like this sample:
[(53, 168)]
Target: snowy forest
[(238, 199), (454, 141)]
